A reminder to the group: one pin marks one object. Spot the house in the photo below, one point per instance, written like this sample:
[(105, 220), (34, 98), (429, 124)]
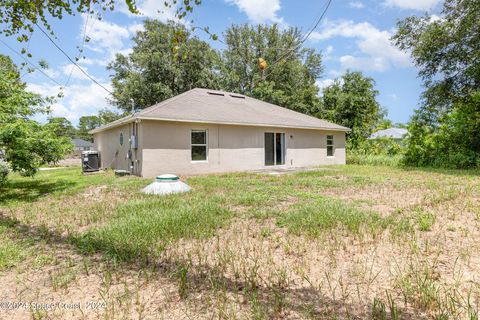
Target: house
[(393, 133), (206, 131), (80, 145)]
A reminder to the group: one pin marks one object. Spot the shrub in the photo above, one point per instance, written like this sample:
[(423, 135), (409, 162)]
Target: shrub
[(3, 172), (451, 140), (377, 152)]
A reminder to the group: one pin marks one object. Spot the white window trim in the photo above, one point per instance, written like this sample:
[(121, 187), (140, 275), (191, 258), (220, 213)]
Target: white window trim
[(275, 149), (199, 145), (332, 145)]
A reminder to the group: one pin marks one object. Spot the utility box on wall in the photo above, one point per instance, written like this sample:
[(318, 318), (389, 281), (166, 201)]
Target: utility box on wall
[(133, 142)]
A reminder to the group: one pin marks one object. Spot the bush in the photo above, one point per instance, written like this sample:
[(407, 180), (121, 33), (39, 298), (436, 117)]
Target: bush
[(374, 160), (451, 141), (377, 152), (3, 172)]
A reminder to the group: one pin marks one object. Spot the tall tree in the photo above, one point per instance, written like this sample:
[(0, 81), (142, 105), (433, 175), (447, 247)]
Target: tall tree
[(62, 127), (85, 124), (446, 50), (351, 101), (106, 116), (291, 72), (27, 143), (166, 60)]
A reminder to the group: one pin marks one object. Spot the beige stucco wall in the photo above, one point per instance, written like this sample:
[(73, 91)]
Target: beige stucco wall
[(166, 148), (115, 156)]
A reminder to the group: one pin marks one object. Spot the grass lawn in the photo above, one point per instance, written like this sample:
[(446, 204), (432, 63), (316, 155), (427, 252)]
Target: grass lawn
[(339, 242)]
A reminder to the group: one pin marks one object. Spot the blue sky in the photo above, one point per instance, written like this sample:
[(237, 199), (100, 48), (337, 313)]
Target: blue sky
[(353, 35)]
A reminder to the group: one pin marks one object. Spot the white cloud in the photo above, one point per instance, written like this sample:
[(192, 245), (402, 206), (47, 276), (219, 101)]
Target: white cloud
[(106, 35), (78, 99), (327, 53), (59, 110), (134, 28), (87, 99), (44, 89), (155, 9), (356, 4), (421, 5), (378, 53), (259, 11), (70, 70), (322, 84)]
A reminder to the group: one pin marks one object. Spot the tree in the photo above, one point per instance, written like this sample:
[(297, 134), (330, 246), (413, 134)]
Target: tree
[(351, 101), (27, 144), (166, 61), (291, 72), (106, 116), (87, 123), (446, 50), (21, 17), (62, 127)]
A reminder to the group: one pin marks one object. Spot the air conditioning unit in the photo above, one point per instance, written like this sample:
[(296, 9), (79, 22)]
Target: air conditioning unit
[(133, 142), (90, 161)]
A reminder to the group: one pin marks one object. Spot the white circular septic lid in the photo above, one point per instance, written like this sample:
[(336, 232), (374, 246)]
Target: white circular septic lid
[(167, 177)]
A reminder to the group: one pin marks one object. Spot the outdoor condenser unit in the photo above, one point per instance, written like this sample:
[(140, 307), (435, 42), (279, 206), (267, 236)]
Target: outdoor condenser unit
[(90, 161)]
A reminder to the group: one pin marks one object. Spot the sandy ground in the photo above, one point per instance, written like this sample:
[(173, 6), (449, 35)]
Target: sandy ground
[(254, 268)]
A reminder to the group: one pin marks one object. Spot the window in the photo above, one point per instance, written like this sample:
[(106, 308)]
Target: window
[(274, 148), (199, 145), (330, 148)]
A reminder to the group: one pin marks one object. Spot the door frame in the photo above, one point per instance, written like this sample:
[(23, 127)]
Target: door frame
[(275, 148)]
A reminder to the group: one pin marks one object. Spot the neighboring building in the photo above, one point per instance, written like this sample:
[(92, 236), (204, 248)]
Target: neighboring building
[(393, 133), (204, 131), (82, 145)]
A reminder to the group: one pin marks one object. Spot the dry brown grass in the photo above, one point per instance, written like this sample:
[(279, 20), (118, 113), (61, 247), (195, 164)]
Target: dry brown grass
[(253, 268)]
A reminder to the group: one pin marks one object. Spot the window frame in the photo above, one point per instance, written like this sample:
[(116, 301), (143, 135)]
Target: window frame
[(330, 138), (199, 145)]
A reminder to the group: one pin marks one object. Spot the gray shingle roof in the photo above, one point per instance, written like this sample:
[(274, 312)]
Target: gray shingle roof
[(80, 143), (210, 106), (394, 133)]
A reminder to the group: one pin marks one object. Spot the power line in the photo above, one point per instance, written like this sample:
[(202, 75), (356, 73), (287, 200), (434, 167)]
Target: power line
[(30, 63), (307, 35), (82, 45), (72, 61)]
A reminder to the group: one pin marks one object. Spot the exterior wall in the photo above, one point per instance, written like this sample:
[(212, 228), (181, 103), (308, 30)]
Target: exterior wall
[(165, 147), (112, 154)]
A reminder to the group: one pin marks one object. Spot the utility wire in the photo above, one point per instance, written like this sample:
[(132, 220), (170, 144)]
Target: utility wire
[(307, 35), (82, 45), (30, 63), (72, 61)]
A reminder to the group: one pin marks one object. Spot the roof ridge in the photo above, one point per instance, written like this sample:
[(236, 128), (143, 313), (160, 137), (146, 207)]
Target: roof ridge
[(163, 103)]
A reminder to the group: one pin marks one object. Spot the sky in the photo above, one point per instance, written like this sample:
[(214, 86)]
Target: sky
[(354, 35)]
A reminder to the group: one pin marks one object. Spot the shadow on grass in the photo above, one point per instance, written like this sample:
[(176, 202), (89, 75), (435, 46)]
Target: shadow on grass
[(275, 300), (31, 189)]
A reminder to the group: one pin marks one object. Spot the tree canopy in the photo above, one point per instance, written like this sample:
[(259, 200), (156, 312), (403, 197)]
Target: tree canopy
[(62, 127), (445, 130), (27, 144), (288, 80), (166, 61), (351, 101), (21, 17)]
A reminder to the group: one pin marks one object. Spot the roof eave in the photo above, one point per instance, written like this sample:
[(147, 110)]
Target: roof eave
[(341, 129), (114, 124)]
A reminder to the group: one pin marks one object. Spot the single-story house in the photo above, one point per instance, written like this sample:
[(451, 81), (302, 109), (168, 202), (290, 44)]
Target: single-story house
[(393, 133), (207, 131), (82, 145)]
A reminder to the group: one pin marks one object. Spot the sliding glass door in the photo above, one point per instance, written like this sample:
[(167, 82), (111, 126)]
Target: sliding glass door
[(274, 148)]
